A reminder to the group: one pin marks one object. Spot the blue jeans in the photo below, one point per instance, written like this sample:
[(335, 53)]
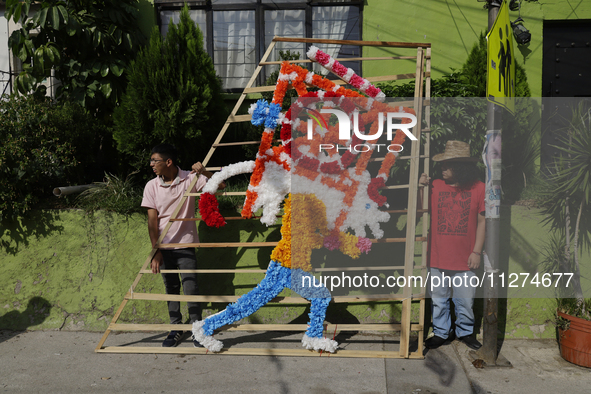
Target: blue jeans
[(463, 298), (183, 259)]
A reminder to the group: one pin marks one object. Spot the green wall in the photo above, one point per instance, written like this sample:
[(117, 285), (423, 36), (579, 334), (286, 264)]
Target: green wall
[(452, 27), (65, 269)]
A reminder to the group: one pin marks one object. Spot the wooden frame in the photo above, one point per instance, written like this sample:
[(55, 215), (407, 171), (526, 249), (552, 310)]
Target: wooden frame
[(421, 104)]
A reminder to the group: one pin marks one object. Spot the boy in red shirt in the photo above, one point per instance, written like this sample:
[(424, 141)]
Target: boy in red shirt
[(456, 206)]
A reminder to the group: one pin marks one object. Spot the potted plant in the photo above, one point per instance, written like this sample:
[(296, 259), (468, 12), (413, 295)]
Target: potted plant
[(567, 210)]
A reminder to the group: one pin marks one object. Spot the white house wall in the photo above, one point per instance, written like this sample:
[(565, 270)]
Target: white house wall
[(4, 56)]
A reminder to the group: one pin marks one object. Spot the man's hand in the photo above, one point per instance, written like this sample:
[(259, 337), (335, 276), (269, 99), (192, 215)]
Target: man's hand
[(157, 262), (197, 168), (473, 261)]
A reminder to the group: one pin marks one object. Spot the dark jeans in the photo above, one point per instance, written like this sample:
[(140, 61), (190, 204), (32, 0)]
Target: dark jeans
[(183, 259)]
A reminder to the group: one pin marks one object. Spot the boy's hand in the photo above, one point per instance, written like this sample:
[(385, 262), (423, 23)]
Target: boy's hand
[(424, 180), (473, 261)]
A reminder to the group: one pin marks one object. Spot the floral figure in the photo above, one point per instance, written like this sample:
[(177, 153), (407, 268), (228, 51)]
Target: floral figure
[(332, 193)]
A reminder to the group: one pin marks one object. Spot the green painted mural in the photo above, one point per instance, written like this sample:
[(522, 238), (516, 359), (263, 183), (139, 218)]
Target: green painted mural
[(67, 270)]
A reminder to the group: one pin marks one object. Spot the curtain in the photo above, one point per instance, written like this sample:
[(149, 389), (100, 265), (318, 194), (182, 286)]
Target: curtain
[(329, 23), (234, 44), (284, 23), (198, 16)]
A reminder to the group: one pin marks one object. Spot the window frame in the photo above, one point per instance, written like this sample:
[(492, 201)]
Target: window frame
[(259, 7)]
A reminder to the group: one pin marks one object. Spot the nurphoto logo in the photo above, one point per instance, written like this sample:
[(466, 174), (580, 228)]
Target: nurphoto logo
[(345, 128)]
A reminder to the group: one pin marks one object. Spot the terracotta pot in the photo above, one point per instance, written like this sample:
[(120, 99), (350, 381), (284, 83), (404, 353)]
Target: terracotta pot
[(575, 343)]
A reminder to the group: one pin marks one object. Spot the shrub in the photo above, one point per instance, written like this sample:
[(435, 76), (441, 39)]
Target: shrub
[(173, 96), (42, 144)]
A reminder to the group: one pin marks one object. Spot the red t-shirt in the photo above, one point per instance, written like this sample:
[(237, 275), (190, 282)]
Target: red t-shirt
[(454, 219)]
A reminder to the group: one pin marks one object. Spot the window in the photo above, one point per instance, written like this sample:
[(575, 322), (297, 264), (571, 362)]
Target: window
[(237, 33)]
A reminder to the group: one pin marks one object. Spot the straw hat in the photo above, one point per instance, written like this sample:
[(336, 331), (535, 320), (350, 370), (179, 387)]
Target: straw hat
[(455, 151)]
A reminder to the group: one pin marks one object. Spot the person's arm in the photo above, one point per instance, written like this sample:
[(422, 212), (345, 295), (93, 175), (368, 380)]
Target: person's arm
[(154, 235), (423, 184), (200, 170), (474, 259)]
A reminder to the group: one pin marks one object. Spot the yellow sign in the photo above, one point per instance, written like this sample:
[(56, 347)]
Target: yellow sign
[(500, 80)]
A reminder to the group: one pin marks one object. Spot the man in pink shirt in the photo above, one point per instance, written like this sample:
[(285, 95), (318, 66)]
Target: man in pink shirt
[(162, 195)]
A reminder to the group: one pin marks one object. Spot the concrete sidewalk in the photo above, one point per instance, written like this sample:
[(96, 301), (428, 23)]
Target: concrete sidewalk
[(65, 362)]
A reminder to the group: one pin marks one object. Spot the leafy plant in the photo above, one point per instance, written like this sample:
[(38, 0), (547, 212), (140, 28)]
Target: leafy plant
[(173, 96), (114, 194), (567, 209), (463, 118), (88, 43), (42, 144)]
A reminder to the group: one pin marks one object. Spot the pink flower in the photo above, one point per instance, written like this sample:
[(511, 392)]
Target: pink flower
[(339, 69), (364, 245), (356, 81), (331, 242), (372, 91), (322, 57)]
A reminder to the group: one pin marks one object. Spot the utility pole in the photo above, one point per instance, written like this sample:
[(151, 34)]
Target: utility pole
[(488, 353)]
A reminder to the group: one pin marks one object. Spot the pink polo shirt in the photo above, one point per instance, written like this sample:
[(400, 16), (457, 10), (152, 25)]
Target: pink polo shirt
[(165, 198)]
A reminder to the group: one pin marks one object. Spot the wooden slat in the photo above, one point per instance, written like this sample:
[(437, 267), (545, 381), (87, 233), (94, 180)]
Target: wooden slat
[(344, 59), (258, 271), (264, 327), (278, 300), (209, 271), (425, 217), (409, 249), (262, 244), (382, 78), (239, 143), (345, 269), (251, 352), (225, 218), (217, 194), (339, 82), (378, 159), (219, 245), (394, 187), (405, 210), (389, 44), (389, 240), (239, 118)]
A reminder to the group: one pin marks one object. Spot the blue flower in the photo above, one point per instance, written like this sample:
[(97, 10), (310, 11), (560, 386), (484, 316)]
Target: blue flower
[(259, 115), (273, 116)]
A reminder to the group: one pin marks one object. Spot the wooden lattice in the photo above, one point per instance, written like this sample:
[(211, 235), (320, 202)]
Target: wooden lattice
[(405, 326)]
